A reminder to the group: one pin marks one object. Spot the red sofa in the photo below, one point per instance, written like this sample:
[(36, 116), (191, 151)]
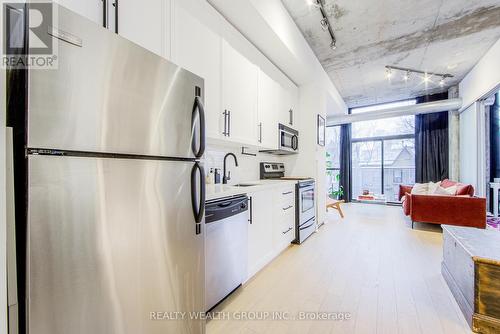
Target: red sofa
[(462, 209)]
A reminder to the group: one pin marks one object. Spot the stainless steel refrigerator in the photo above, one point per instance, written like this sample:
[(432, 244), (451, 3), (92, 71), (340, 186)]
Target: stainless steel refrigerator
[(109, 187)]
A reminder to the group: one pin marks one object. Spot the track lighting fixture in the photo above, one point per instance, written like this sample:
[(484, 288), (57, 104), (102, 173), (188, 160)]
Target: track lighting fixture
[(325, 22), (426, 76)]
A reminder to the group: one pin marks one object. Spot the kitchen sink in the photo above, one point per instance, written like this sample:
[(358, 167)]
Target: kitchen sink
[(246, 184)]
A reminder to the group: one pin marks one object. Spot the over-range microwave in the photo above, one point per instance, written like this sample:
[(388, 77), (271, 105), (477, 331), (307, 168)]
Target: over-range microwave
[(288, 141)]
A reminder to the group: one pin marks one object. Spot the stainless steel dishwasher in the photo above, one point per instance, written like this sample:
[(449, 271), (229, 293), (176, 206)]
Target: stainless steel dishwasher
[(226, 233)]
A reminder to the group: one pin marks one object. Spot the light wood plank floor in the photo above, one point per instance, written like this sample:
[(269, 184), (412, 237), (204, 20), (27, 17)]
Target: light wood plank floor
[(371, 264)]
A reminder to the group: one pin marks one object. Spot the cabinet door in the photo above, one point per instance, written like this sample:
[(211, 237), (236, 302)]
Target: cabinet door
[(198, 49), (239, 91), (143, 22), (287, 106), (91, 9), (267, 113), (260, 231)]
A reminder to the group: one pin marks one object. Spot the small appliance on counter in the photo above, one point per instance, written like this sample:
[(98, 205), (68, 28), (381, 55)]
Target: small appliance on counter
[(305, 217)]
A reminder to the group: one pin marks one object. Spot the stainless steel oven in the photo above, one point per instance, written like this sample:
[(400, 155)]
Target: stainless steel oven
[(306, 210), (305, 205)]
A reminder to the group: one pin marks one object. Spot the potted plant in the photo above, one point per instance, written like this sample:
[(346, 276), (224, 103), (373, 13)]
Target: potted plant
[(338, 193)]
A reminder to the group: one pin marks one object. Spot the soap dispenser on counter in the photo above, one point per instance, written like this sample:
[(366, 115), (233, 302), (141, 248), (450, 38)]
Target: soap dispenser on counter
[(210, 178), (217, 176)]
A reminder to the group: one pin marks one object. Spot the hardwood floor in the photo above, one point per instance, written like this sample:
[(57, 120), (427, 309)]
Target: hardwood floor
[(370, 264)]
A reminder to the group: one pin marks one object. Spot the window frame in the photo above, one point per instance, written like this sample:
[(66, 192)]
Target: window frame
[(380, 139)]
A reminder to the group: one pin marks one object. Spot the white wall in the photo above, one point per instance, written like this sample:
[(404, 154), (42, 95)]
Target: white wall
[(483, 79), (469, 141)]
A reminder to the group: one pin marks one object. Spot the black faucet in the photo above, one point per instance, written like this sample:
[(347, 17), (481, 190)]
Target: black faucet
[(227, 177)]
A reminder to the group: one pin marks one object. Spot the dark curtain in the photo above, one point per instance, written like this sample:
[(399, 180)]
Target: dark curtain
[(345, 160), (431, 143), (494, 143)]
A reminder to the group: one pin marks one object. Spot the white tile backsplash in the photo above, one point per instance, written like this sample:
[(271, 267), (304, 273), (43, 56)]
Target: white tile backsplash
[(248, 166)]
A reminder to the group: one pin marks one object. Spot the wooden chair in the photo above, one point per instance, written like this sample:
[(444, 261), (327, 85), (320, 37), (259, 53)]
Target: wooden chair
[(334, 204)]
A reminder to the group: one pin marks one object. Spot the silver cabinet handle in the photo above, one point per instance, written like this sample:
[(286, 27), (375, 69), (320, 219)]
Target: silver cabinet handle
[(260, 132), (115, 4), (288, 207), (225, 132), (287, 193), (287, 230), (291, 116), (105, 13)]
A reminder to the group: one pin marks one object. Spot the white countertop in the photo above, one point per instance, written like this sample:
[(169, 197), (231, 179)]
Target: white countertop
[(215, 191)]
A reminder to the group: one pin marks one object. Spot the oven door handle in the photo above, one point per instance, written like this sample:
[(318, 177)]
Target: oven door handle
[(313, 221)]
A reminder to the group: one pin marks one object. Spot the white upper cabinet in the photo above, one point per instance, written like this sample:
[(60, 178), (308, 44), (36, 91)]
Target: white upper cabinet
[(267, 113), (287, 109), (91, 9), (198, 49), (143, 22), (239, 96)]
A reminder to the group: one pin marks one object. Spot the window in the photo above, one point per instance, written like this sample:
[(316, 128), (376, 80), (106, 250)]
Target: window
[(332, 136), (383, 154)]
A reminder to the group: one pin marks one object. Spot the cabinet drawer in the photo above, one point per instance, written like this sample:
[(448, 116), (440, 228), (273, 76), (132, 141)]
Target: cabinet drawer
[(287, 196)]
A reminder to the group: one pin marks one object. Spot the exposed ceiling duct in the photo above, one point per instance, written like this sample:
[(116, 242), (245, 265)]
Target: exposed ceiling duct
[(415, 109)]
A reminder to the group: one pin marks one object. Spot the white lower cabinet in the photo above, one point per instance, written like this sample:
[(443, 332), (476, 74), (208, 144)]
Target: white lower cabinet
[(272, 226), (260, 231), (284, 217)]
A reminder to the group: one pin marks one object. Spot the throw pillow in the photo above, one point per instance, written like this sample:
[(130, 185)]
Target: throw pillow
[(433, 187), (420, 189), (450, 191)]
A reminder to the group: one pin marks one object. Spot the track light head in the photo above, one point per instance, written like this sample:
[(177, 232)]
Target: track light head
[(441, 82), (324, 24), (406, 76), (388, 73), (427, 78)]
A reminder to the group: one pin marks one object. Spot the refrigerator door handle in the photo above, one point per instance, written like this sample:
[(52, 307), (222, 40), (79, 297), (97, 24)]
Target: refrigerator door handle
[(199, 110), (105, 13), (115, 4), (198, 203)]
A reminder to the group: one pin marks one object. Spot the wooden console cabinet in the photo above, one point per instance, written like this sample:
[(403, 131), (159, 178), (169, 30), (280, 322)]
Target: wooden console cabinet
[(471, 268)]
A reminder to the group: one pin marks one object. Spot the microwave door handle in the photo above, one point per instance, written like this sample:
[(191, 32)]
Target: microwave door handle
[(295, 142)]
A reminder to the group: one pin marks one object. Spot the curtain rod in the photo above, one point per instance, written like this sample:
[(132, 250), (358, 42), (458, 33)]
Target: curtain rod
[(416, 109)]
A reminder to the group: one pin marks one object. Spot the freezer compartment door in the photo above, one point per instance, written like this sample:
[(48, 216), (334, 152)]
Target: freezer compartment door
[(113, 247), (110, 95)]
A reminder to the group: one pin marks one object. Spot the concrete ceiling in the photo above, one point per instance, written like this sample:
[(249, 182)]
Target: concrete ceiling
[(444, 36)]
